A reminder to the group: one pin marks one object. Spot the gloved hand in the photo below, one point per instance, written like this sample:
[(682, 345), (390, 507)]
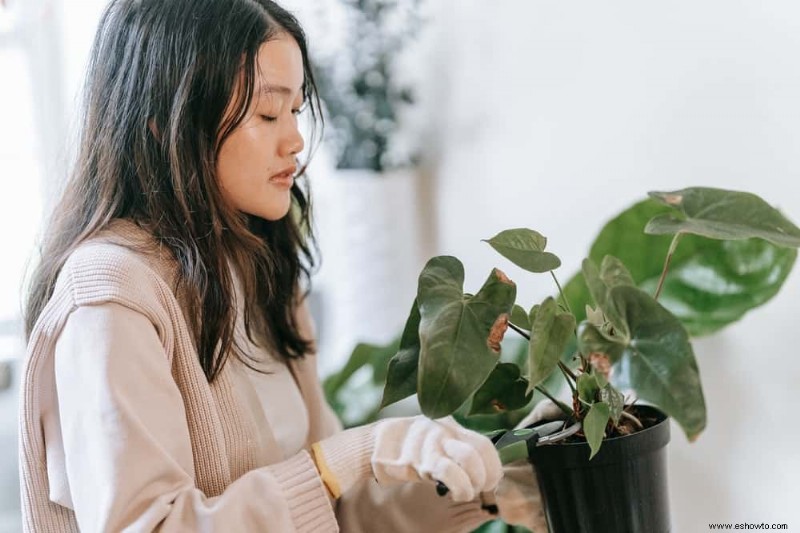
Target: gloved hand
[(410, 449), (517, 495)]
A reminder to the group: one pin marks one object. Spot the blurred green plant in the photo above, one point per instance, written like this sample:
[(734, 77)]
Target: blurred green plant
[(362, 90)]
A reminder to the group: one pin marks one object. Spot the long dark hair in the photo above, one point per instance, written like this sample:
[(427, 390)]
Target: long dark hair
[(160, 77)]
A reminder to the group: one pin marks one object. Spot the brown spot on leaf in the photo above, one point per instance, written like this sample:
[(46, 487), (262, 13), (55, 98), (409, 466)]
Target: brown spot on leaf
[(498, 406), (673, 199), (601, 363), (497, 333), (502, 277)]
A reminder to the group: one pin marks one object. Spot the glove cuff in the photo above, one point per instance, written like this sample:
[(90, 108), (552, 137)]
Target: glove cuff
[(343, 460)]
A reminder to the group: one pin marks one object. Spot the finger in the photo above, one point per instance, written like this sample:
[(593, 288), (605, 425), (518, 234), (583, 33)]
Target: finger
[(468, 459), (487, 452), (419, 442), (482, 443), (489, 456), (448, 472)]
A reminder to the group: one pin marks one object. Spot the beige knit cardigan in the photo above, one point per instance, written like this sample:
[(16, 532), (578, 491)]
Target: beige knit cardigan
[(124, 265)]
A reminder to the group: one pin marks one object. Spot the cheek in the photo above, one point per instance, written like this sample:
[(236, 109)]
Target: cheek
[(245, 155)]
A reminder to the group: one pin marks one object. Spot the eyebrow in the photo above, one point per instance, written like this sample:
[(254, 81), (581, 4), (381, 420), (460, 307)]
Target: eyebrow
[(280, 89)]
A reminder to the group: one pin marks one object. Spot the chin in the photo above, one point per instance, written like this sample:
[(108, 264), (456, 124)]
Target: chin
[(274, 213)]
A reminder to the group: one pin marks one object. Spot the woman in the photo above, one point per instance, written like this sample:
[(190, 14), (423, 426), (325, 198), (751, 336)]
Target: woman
[(170, 381)]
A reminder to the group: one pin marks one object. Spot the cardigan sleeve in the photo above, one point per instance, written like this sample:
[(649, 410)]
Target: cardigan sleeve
[(125, 459), (368, 507)]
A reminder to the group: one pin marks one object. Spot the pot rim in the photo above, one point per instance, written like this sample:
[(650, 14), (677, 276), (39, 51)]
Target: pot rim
[(614, 450)]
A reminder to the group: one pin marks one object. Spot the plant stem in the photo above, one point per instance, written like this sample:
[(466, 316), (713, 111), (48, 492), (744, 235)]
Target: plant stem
[(561, 292), (567, 376), (633, 419), (567, 372), (519, 330), (560, 405), (672, 246)]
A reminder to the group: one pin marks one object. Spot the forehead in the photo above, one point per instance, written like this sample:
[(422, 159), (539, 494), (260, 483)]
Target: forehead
[(279, 66)]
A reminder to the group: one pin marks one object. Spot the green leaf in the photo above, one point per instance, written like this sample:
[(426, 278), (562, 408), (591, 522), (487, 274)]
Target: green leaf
[(520, 318), (722, 214), (525, 248), (504, 390), (723, 281), (401, 377), (657, 362), (588, 388), (363, 354), (354, 392), (599, 287), (615, 401), (495, 526), (549, 336), (710, 284), (594, 426), (614, 273), (532, 315), (459, 334), (592, 339)]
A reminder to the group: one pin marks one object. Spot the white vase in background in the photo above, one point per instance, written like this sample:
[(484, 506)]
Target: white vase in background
[(374, 238)]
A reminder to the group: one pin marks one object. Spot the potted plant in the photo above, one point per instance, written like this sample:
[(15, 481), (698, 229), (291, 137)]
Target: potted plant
[(618, 334)]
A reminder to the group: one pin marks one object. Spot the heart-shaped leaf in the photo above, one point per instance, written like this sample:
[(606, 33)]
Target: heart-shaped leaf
[(657, 362), (401, 377), (520, 318), (710, 284), (550, 332), (459, 335), (525, 248), (594, 426), (722, 214), (504, 390)]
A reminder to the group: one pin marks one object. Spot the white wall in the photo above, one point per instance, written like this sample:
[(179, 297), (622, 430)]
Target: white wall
[(557, 115)]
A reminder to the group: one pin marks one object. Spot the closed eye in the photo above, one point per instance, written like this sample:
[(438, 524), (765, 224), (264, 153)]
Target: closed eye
[(302, 108), (296, 111)]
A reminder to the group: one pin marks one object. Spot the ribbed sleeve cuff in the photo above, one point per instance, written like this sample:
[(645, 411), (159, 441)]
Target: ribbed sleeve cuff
[(309, 505), (345, 458)]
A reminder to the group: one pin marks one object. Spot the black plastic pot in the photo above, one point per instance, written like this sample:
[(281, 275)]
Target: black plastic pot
[(623, 489)]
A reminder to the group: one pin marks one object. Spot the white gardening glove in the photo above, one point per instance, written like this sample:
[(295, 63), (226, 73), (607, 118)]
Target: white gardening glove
[(517, 495), (411, 449), (419, 449)]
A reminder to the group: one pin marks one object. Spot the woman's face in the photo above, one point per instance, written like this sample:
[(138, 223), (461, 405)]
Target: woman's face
[(256, 163)]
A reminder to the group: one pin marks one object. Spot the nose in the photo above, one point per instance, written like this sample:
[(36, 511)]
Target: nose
[(293, 142)]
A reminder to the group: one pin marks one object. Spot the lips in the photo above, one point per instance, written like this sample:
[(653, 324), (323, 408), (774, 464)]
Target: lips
[(284, 175)]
